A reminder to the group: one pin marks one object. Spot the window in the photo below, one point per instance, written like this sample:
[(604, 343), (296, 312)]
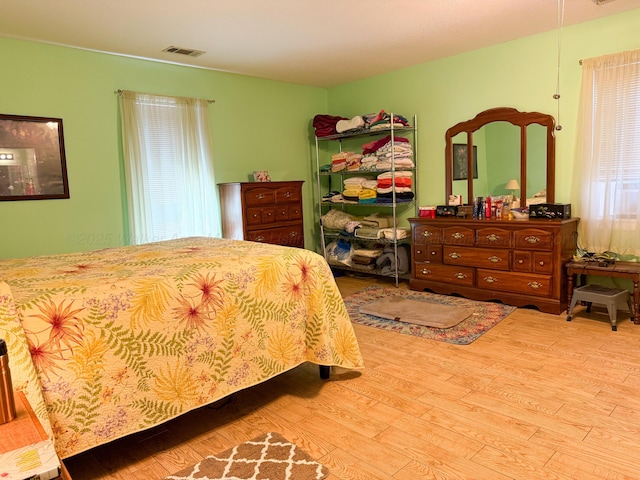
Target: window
[(606, 189), (168, 167)]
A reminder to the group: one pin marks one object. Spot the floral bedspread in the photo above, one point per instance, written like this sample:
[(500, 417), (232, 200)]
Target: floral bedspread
[(115, 341)]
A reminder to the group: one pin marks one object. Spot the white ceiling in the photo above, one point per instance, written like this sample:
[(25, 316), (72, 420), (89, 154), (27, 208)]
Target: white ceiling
[(319, 43)]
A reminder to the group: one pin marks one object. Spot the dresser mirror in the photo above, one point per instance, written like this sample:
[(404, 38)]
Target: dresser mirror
[(499, 145)]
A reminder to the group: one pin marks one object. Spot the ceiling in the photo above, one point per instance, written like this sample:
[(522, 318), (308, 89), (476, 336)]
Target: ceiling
[(319, 43)]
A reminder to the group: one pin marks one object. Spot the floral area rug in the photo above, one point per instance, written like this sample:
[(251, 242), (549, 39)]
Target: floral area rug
[(484, 316), (270, 456)]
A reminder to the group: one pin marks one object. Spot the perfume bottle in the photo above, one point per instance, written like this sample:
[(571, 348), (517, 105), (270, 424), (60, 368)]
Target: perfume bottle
[(7, 401)]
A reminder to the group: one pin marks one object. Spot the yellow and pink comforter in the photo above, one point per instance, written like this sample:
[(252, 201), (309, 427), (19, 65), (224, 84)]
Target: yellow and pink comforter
[(115, 341)]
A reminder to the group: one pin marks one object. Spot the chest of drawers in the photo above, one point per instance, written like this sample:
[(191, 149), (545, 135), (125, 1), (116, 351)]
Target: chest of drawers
[(518, 262), (269, 212)]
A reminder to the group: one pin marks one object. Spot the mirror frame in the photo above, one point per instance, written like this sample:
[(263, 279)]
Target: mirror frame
[(517, 118)]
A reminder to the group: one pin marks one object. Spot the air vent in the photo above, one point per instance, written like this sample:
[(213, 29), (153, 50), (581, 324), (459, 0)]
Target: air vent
[(184, 51), (600, 2)]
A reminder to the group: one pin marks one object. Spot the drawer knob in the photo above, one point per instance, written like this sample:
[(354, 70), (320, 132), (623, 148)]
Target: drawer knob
[(532, 239), (288, 194), (259, 196), (458, 236), (259, 238), (268, 214), (534, 285), (520, 261), (495, 259), (434, 252), (455, 255), (292, 234), (255, 215), (490, 279), (541, 263), (427, 234), (425, 271), (418, 252), (460, 275), (493, 237)]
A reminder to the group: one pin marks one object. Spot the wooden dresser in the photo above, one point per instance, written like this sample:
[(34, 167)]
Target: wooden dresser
[(269, 212), (518, 262)]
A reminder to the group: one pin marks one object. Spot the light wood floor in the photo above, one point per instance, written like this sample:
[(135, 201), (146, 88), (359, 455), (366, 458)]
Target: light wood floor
[(536, 397)]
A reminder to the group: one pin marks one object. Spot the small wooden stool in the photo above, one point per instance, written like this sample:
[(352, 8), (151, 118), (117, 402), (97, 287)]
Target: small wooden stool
[(612, 298)]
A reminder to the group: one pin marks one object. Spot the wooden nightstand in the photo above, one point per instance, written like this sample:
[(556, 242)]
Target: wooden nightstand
[(24, 430)]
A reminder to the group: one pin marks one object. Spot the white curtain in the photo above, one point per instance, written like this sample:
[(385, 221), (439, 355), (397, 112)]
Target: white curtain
[(168, 167), (606, 186)]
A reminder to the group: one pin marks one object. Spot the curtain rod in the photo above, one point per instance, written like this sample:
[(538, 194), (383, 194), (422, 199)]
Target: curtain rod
[(119, 92)]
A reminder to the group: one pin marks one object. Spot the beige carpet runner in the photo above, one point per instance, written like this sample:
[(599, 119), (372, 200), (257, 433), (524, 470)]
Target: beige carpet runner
[(270, 456), (406, 310)]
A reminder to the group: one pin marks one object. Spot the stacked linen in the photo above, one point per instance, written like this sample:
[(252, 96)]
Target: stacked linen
[(338, 162), (383, 120), (345, 161), (385, 153), (366, 257), (353, 188), (401, 182)]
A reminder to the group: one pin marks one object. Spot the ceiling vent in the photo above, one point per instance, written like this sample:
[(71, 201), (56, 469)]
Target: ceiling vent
[(600, 2), (184, 51)]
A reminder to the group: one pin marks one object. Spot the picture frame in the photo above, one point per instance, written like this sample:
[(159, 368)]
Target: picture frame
[(33, 164), (261, 176), (460, 163)]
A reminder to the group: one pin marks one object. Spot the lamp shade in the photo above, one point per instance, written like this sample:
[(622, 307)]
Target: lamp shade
[(512, 185)]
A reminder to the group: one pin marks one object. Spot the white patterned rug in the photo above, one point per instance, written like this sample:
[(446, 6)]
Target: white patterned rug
[(270, 456)]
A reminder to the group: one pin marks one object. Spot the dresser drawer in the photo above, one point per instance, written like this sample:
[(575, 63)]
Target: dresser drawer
[(527, 284), (493, 237), (531, 261), (533, 239), (494, 258), (427, 253), (289, 194), (261, 216), (458, 235), (424, 234), (288, 236), (445, 273), (259, 196)]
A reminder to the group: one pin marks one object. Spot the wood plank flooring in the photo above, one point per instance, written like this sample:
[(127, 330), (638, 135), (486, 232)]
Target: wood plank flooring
[(536, 397)]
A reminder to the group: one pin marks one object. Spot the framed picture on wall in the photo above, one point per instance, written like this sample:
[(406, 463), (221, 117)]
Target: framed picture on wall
[(460, 163), (32, 158)]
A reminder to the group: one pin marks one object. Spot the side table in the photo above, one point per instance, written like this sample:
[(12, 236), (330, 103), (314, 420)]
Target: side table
[(24, 430), (628, 270)]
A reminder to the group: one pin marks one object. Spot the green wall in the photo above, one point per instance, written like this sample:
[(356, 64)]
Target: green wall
[(519, 74), (259, 124), (256, 125)]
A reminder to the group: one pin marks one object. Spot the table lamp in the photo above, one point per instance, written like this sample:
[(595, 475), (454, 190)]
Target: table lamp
[(513, 185)]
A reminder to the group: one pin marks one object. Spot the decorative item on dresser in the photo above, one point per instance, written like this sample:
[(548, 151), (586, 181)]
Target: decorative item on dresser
[(520, 262), (268, 212)]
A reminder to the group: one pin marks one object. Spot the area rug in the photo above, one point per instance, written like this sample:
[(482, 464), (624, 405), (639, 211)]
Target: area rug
[(269, 456), (484, 316)]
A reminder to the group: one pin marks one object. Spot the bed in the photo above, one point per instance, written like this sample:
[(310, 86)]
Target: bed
[(115, 341)]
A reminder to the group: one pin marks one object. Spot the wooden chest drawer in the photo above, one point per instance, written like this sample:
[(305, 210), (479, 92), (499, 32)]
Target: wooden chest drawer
[(493, 237), (445, 273), (532, 261), (528, 284), (427, 253), (477, 257), (259, 196), (288, 236), (261, 216), (423, 234), (288, 194), (534, 239), (458, 235)]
